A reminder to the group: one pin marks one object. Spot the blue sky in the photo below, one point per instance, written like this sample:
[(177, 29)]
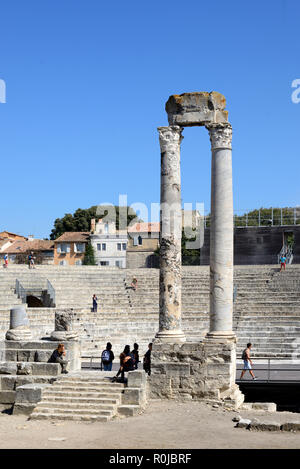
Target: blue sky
[(87, 83)]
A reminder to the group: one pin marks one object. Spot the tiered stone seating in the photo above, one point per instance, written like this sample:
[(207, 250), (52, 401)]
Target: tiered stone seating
[(266, 310)]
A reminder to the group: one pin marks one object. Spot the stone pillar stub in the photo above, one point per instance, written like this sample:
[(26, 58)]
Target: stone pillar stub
[(170, 242), (19, 324), (221, 233), (64, 326)]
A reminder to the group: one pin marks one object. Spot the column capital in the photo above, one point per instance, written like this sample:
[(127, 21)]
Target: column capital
[(170, 134), (220, 135)]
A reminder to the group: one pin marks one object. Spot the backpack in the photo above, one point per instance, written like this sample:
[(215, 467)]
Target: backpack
[(244, 355), (105, 357)]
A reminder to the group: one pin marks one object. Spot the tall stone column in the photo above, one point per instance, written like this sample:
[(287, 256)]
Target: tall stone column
[(221, 233), (170, 242)]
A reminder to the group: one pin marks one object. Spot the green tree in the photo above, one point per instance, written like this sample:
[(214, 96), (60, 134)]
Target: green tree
[(89, 255), (80, 220)]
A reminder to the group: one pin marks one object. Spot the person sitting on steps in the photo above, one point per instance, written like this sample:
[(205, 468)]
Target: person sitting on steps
[(126, 364), (58, 357)]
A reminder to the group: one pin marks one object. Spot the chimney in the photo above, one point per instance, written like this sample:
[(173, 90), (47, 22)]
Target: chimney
[(93, 225)]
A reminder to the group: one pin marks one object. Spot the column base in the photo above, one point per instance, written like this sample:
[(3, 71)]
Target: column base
[(173, 337), (221, 335)]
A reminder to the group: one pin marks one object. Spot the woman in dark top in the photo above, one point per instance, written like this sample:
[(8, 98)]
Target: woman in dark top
[(126, 364), (95, 304)]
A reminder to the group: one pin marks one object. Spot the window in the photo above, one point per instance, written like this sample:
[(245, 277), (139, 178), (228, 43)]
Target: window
[(124, 246), (118, 263), (98, 247), (104, 263), (106, 228), (63, 262), (103, 246), (78, 262), (119, 246), (63, 248), (79, 247), (135, 241), (140, 239)]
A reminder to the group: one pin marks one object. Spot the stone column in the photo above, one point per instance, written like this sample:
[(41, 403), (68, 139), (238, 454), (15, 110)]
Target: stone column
[(170, 241), (19, 324), (221, 233)]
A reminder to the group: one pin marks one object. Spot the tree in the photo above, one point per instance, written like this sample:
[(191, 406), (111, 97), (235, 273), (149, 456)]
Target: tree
[(81, 219), (89, 255)]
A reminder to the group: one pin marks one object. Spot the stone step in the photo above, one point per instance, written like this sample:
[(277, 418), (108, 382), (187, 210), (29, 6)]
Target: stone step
[(39, 415), (85, 393)]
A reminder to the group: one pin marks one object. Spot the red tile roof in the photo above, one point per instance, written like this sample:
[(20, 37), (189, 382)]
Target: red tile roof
[(74, 236), (34, 245)]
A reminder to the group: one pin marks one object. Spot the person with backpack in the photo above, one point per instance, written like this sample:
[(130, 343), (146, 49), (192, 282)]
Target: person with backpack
[(135, 355), (247, 361), (147, 360), (126, 364), (107, 357)]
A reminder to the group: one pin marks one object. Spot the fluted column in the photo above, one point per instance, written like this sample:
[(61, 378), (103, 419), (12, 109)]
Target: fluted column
[(221, 233), (170, 241)]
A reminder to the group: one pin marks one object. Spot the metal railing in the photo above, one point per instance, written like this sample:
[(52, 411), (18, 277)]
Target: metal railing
[(286, 251), (270, 370), (262, 217), (51, 292), (20, 291)]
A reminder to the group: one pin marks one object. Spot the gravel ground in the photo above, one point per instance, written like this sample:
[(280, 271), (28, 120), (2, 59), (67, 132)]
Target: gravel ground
[(164, 424)]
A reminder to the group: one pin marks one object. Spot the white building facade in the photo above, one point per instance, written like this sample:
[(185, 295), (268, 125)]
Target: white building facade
[(109, 245)]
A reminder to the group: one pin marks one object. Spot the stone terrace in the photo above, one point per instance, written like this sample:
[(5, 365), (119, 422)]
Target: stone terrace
[(266, 310)]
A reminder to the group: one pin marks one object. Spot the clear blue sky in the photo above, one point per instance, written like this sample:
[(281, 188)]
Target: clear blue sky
[(87, 82)]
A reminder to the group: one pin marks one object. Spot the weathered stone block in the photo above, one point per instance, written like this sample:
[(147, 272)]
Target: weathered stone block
[(7, 397), (136, 379), (29, 393), (23, 408), (199, 108), (215, 369), (291, 426), (132, 396), (24, 369), (8, 368), (180, 369), (265, 426), (266, 406), (25, 356), (11, 355), (42, 355), (160, 387)]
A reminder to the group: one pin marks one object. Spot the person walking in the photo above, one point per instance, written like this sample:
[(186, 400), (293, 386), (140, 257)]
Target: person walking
[(5, 261), (135, 355), (107, 357), (147, 360), (58, 357), (95, 304), (247, 362), (126, 364), (31, 261), (282, 262)]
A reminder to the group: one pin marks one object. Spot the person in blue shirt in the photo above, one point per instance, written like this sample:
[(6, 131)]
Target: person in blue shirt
[(282, 262)]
